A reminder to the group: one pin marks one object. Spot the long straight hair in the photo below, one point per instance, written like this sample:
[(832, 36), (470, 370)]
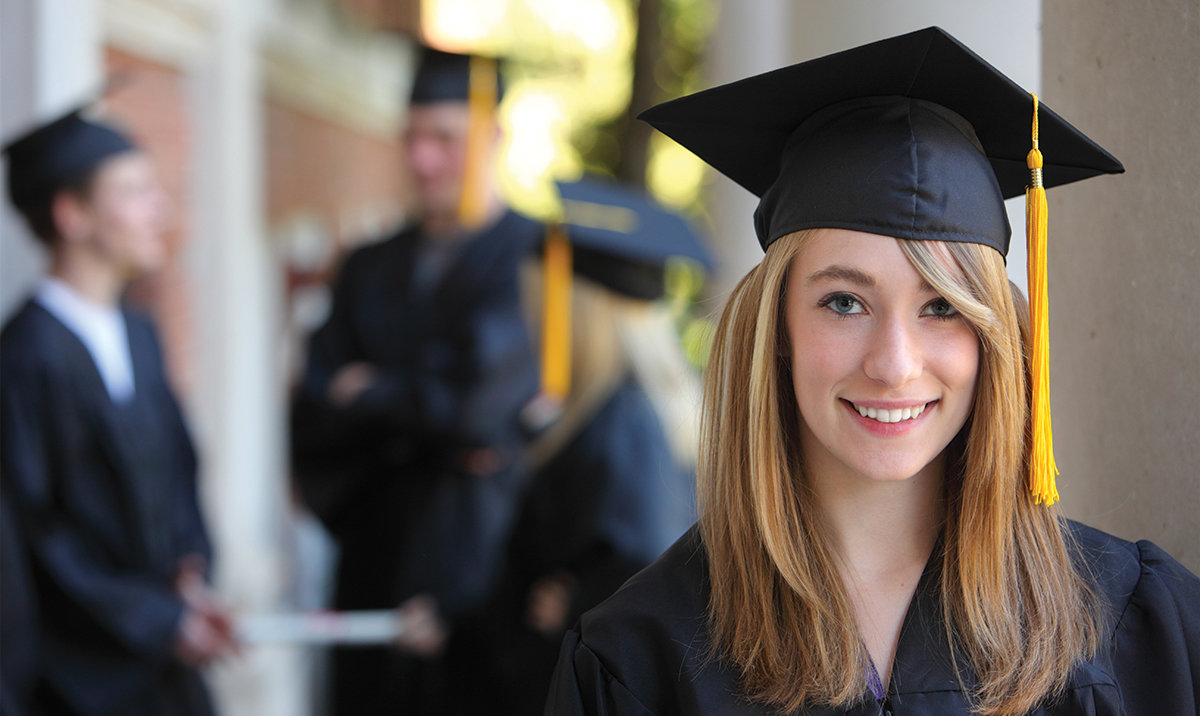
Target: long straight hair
[(1018, 614)]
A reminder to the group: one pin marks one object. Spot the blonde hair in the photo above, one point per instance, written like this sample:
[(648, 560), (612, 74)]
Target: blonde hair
[(1016, 610), (614, 336), (599, 361)]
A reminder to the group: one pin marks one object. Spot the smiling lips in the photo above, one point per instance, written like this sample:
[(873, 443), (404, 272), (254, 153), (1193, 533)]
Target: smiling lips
[(896, 415)]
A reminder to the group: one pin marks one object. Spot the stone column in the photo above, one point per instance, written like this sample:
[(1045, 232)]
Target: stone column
[(750, 37), (1124, 269), (239, 398)]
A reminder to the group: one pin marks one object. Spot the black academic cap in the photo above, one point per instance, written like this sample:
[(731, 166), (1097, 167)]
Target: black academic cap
[(623, 239), (914, 136), (56, 154), (446, 77)]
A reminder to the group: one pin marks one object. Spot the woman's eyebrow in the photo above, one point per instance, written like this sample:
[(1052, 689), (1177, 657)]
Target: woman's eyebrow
[(842, 273)]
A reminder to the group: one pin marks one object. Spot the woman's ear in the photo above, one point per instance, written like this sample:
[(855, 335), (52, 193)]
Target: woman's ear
[(72, 216)]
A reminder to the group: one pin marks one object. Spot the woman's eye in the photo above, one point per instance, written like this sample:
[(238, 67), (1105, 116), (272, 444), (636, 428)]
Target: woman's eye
[(940, 308), (842, 304)]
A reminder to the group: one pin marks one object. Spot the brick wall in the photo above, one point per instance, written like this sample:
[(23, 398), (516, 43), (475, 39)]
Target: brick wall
[(350, 181), (329, 188), (149, 100)]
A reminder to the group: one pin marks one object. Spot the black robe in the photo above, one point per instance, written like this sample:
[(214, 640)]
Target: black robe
[(104, 499), (608, 504), (18, 616), (643, 651), (454, 365)]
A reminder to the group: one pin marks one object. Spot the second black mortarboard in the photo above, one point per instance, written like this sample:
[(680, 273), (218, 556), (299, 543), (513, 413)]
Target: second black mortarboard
[(623, 239), (57, 154), (914, 136), (616, 236)]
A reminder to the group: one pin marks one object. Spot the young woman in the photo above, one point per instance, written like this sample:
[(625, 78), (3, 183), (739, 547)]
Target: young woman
[(868, 541)]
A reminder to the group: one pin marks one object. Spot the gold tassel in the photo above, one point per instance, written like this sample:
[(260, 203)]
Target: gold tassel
[(1042, 469), (481, 103), (556, 314)]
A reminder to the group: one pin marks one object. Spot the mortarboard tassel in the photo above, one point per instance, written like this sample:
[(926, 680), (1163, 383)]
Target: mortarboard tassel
[(1042, 469), (481, 103), (556, 313)]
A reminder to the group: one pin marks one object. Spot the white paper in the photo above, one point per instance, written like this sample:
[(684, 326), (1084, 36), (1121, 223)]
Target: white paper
[(322, 628)]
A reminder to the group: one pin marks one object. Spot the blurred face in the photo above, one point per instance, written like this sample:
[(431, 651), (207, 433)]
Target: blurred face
[(882, 366), (436, 140), (124, 215)]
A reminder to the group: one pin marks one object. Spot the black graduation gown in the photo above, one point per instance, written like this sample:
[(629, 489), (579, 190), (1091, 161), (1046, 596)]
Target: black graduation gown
[(18, 616), (455, 365), (105, 502), (643, 651), (609, 503)]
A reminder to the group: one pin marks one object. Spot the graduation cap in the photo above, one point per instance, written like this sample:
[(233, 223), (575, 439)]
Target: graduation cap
[(57, 154), (474, 79), (623, 239), (915, 137), (616, 236), (447, 77)]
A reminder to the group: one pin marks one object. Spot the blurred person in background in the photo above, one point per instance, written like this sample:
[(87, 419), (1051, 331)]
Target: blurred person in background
[(612, 478), (406, 433), (99, 472)]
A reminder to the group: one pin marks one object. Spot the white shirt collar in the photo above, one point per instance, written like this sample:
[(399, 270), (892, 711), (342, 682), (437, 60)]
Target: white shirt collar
[(100, 328)]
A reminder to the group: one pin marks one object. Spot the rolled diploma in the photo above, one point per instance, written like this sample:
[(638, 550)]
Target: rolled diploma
[(381, 626)]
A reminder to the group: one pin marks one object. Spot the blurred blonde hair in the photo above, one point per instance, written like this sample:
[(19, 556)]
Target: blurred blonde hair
[(1016, 609), (598, 359)]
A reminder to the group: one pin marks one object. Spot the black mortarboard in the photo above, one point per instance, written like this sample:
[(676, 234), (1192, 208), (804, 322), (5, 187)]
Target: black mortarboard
[(914, 136), (615, 236), (446, 77), (623, 239), (56, 154)]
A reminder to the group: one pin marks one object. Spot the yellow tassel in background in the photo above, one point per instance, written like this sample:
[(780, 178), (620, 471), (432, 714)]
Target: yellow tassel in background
[(556, 314), (481, 104), (1042, 469)]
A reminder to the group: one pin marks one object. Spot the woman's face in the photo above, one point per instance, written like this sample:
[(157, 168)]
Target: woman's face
[(882, 366)]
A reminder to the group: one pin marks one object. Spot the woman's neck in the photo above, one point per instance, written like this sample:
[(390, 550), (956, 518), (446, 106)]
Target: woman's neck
[(883, 533), (876, 525), (93, 279)]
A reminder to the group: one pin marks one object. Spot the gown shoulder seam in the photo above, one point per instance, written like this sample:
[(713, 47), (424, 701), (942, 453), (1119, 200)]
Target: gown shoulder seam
[(612, 678)]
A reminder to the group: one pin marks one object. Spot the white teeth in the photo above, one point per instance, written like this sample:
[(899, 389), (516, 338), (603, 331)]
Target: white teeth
[(890, 416)]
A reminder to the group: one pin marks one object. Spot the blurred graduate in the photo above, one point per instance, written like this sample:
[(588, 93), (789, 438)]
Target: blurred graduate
[(613, 475), (406, 424), (99, 473)]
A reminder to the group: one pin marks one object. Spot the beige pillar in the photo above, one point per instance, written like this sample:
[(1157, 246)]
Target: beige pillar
[(240, 398), (750, 37), (1125, 270)]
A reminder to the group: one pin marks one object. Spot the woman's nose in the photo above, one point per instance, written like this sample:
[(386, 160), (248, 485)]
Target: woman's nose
[(894, 355)]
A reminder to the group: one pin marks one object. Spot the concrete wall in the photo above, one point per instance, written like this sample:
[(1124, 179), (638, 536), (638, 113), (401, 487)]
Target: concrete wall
[(1125, 269)]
